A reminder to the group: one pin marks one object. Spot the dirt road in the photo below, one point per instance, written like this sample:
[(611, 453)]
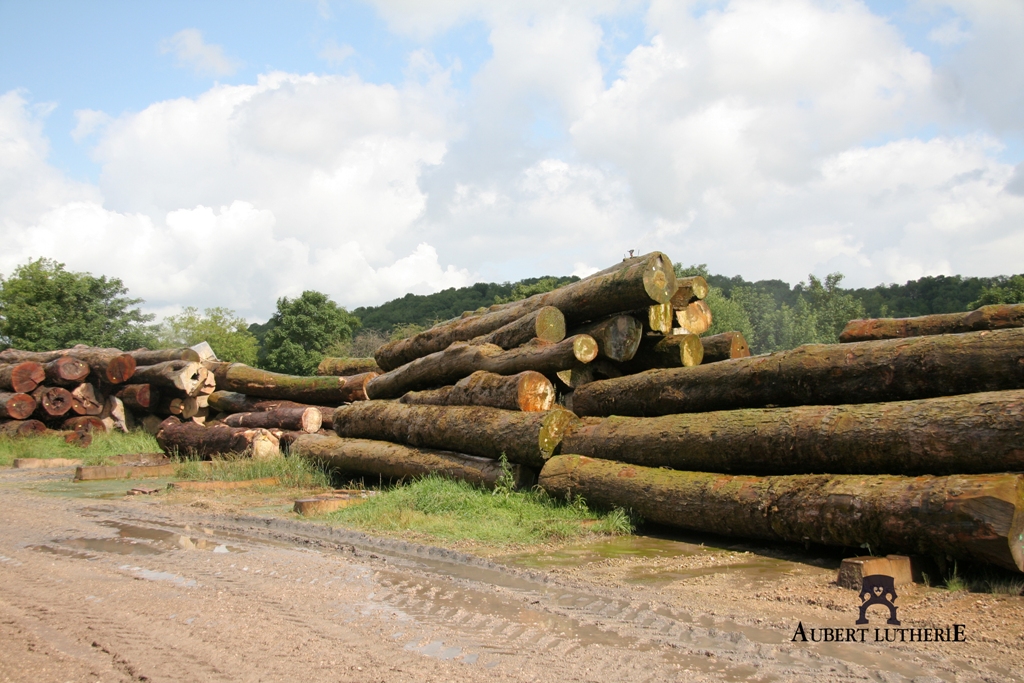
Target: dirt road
[(139, 589)]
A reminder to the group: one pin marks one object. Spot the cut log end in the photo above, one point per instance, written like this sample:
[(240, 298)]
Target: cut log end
[(22, 378), (688, 289), (67, 369), (691, 351), (16, 406), (553, 429), (660, 279), (120, 369), (696, 318), (550, 325), (536, 392), (22, 428), (661, 318), (584, 347)]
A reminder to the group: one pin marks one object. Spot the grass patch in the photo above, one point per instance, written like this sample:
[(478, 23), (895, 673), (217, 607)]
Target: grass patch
[(53, 446), (454, 510), (293, 472)]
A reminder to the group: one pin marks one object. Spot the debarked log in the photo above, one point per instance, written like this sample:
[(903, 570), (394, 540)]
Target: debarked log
[(16, 406), (183, 375), (820, 374), (304, 419), (189, 438), (968, 434), (21, 378), (527, 391), (243, 379), (970, 516), (343, 367), (630, 286), (113, 365), (394, 461), (994, 317), (724, 346), (525, 438), (463, 359)]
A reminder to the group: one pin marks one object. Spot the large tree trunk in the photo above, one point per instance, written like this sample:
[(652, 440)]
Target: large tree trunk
[(972, 433), (22, 428), (147, 357), (527, 391), (546, 324), (525, 438), (110, 364), (66, 371), (21, 378), (976, 517), (462, 359), (140, 397), (995, 317), (52, 401), (16, 406), (343, 367), (183, 375), (190, 439), (724, 346), (86, 401), (672, 351), (306, 419), (617, 337), (695, 318), (243, 379), (821, 374), (394, 461), (627, 287)]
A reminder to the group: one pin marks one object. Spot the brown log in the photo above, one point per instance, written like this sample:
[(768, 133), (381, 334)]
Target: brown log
[(724, 346), (78, 438), (821, 374), (147, 357), (16, 406), (185, 407), (183, 375), (66, 371), (546, 324), (293, 419), (343, 367), (688, 290), (112, 365), (241, 378), (52, 401), (190, 439), (462, 359), (150, 424), (628, 287), (525, 438), (21, 378), (84, 423), (231, 402), (967, 434), (994, 317), (617, 337), (527, 391), (85, 400), (21, 428), (395, 461), (672, 351), (139, 397), (114, 416), (975, 517), (696, 318)]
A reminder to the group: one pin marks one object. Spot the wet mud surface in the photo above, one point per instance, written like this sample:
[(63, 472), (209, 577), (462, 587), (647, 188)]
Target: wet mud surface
[(97, 586)]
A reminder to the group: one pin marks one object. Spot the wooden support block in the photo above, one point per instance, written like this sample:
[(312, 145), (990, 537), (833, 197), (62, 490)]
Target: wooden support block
[(222, 485), (853, 570), (39, 463), (100, 472), (321, 505)]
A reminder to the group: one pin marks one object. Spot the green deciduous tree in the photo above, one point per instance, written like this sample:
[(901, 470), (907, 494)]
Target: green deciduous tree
[(302, 330), (44, 307), (225, 332), (1003, 291)]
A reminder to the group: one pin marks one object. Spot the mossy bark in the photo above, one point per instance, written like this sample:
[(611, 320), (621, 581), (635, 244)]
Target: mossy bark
[(994, 317), (21, 378), (546, 324), (525, 438), (189, 438), (820, 374), (972, 433), (304, 419), (527, 391), (625, 287), (463, 359), (671, 351), (394, 461), (343, 367), (724, 346), (976, 517), (241, 378)]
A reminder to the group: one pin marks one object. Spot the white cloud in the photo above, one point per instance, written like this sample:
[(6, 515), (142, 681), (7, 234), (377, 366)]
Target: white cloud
[(335, 54), (190, 50), (89, 122)]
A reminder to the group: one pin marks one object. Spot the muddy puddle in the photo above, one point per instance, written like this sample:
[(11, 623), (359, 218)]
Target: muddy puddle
[(135, 540)]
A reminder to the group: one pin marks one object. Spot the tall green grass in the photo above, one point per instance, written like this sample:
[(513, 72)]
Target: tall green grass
[(454, 510), (53, 446), (292, 472)]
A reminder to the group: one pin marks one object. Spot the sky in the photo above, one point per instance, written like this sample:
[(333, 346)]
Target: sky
[(230, 153)]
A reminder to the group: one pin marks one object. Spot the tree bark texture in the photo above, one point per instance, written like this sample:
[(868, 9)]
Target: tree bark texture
[(66, 371), (977, 517), (110, 364), (617, 337), (21, 378), (967, 434), (52, 401), (395, 461), (140, 397), (231, 402), (546, 324), (22, 428), (995, 317), (147, 357), (183, 375), (243, 379), (343, 367), (821, 374), (525, 438), (688, 290), (86, 401), (306, 419), (462, 359), (724, 346), (672, 351), (16, 405), (648, 279), (190, 439), (527, 391), (695, 318)]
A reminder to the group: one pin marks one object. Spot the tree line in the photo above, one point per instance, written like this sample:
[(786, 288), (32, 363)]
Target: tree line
[(44, 306)]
